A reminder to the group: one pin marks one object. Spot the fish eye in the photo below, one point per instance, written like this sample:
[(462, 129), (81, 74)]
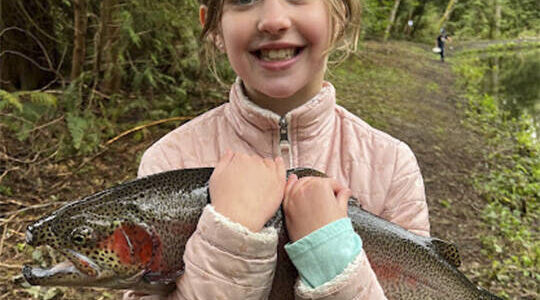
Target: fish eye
[(80, 235), (78, 239)]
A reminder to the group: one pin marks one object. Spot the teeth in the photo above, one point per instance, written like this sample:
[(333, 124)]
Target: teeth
[(277, 54)]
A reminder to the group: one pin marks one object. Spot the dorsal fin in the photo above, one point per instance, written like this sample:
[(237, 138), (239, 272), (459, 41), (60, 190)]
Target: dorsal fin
[(447, 250)]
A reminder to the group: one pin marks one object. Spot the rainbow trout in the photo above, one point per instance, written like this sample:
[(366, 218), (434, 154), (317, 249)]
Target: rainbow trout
[(133, 236)]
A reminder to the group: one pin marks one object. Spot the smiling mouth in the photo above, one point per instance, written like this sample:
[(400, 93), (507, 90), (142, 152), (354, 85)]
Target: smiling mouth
[(281, 54)]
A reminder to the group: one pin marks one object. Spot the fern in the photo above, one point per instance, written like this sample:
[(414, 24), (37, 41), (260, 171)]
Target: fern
[(77, 127), (7, 99), (85, 131), (41, 98)]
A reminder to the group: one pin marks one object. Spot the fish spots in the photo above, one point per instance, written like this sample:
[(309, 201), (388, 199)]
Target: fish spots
[(387, 272), (85, 267)]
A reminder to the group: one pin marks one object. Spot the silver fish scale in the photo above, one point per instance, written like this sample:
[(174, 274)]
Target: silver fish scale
[(406, 264), (171, 204)]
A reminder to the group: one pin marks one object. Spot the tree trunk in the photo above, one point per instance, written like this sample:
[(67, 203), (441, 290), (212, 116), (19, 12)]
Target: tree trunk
[(111, 44), (498, 7), (392, 19), (80, 24), (446, 15), (495, 67), (28, 55)]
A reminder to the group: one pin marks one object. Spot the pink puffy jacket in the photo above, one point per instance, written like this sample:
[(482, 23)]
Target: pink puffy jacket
[(223, 260)]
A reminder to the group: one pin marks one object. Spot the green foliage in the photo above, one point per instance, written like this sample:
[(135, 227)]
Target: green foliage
[(85, 136), (141, 64), (27, 109), (158, 45), (375, 17), (510, 182), (7, 99), (476, 18), (468, 19)]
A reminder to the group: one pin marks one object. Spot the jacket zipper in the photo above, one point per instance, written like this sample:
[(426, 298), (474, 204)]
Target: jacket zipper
[(284, 142)]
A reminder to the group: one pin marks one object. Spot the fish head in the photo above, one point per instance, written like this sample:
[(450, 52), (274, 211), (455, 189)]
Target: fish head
[(103, 247)]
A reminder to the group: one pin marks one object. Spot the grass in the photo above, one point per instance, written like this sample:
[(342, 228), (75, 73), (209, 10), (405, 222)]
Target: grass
[(510, 182)]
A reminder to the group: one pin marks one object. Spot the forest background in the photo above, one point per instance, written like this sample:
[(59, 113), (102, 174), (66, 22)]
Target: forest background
[(76, 76)]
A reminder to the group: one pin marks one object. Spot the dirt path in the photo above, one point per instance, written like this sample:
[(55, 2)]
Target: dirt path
[(404, 90)]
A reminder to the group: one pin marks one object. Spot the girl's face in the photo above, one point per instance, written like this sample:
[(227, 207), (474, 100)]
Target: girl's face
[(277, 47)]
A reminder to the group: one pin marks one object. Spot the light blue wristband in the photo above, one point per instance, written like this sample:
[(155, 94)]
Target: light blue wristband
[(323, 254)]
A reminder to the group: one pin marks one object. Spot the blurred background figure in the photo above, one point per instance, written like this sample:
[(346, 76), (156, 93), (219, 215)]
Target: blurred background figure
[(441, 40)]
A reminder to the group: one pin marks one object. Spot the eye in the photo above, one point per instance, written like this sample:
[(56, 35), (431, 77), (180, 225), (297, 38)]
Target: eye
[(78, 239), (81, 235), (242, 2)]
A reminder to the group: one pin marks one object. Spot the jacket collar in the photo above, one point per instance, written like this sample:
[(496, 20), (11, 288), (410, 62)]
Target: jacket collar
[(310, 116)]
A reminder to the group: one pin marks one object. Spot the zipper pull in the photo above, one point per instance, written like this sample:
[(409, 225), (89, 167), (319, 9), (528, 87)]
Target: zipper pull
[(284, 143), (283, 134)]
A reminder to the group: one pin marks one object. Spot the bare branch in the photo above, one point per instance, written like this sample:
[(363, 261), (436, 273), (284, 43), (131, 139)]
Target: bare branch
[(146, 126), (43, 49), (34, 23), (27, 58), (38, 42)]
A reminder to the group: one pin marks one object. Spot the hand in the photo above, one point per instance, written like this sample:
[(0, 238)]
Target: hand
[(311, 203), (247, 189)]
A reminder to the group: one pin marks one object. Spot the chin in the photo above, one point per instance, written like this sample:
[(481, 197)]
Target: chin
[(279, 91)]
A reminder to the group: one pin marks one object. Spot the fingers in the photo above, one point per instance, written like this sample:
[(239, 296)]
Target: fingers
[(343, 198), (288, 187), (342, 193), (336, 186)]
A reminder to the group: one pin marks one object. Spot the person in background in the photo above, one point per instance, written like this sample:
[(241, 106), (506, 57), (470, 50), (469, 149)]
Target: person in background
[(441, 40)]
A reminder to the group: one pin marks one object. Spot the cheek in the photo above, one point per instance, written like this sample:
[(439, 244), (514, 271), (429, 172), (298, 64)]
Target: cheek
[(316, 27), (233, 33)]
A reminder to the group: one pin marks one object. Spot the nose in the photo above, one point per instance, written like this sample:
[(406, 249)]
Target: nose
[(274, 18)]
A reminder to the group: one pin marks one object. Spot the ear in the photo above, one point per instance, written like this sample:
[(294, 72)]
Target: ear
[(203, 9), (215, 38)]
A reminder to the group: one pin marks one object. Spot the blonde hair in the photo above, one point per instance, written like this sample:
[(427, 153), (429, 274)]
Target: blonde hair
[(344, 23)]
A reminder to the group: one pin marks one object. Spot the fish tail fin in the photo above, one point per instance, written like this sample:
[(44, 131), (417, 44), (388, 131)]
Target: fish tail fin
[(486, 295)]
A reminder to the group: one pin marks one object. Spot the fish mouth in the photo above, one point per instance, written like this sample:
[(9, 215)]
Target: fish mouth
[(58, 274), (76, 269)]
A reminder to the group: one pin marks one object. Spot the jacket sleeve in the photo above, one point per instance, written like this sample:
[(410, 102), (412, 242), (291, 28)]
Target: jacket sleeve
[(356, 282), (223, 259), (405, 202), (240, 266), (405, 205)]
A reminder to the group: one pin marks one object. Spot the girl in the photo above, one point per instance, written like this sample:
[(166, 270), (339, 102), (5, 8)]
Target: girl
[(282, 114)]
